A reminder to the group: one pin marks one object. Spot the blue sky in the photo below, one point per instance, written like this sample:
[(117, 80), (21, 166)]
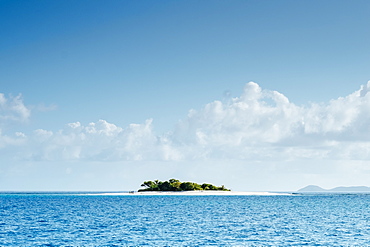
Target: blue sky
[(170, 78)]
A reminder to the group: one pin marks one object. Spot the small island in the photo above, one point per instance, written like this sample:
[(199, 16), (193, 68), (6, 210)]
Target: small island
[(176, 185)]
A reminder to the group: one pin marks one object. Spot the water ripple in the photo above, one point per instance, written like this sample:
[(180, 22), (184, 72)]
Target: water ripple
[(67, 220)]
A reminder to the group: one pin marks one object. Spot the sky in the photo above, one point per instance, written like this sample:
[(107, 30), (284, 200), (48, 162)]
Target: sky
[(253, 95)]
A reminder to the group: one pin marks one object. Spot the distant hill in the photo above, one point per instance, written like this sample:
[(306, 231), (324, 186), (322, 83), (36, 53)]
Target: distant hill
[(351, 189), (312, 188), (315, 188)]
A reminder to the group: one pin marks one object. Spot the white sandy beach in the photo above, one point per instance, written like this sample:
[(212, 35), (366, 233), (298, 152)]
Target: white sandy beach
[(199, 193)]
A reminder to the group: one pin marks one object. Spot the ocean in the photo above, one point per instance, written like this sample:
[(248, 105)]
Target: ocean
[(69, 219)]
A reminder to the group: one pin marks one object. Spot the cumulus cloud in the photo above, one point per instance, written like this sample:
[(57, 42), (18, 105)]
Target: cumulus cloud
[(262, 123), (102, 141), (13, 109), (17, 140), (96, 141), (258, 125)]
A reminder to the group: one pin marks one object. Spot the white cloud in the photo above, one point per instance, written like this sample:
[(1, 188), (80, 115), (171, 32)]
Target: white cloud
[(262, 124), (258, 141), (15, 141), (13, 109), (95, 141), (259, 125)]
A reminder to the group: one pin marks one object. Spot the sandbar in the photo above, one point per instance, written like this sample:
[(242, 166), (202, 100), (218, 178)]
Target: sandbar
[(199, 193)]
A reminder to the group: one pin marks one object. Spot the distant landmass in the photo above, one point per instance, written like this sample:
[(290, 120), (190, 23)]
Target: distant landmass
[(315, 188)]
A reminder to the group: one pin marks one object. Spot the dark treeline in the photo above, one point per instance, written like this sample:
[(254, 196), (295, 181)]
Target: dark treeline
[(176, 185)]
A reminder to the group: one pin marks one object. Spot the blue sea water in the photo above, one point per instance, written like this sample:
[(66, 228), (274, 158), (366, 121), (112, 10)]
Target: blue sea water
[(92, 220)]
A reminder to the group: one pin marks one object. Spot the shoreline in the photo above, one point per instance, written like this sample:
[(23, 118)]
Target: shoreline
[(153, 193), (200, 193)]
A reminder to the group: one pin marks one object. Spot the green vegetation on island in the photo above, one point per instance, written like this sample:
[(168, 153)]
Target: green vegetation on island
[(176, 185)]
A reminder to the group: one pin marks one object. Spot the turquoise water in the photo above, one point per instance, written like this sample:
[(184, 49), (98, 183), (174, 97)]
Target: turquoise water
[(91, 220)]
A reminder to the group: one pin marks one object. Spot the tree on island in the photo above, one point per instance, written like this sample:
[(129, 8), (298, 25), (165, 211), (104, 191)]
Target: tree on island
[(176, 185)]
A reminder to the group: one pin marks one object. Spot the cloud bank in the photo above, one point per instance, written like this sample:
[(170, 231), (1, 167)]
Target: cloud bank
[(258, 125), (262, 124)]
